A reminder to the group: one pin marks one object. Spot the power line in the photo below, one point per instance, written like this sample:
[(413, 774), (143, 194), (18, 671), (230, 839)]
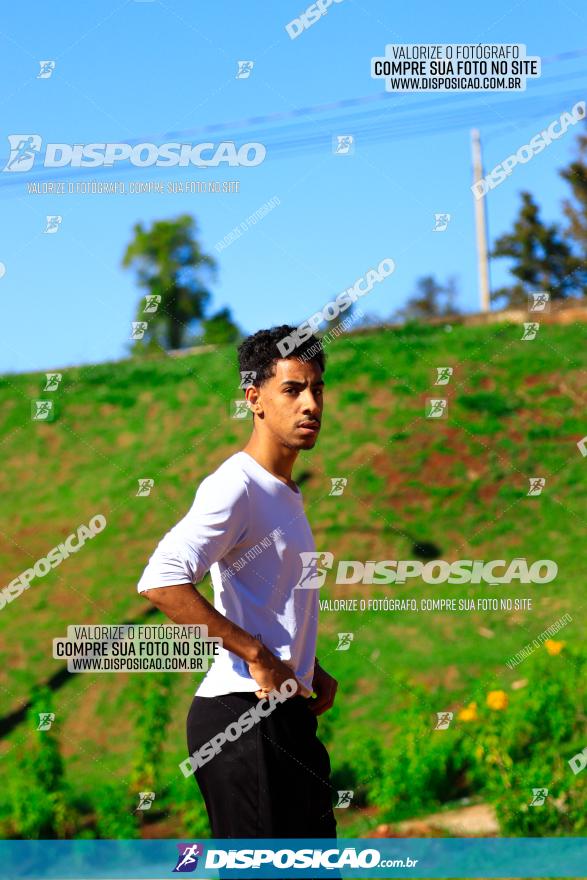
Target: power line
[(345, 103), (367, 128), (371, 126)]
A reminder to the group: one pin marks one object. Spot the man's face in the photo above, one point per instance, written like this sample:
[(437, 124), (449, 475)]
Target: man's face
[(291, 403)]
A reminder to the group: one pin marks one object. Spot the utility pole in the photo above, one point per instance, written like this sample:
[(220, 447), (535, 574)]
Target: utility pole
[(480, 224)]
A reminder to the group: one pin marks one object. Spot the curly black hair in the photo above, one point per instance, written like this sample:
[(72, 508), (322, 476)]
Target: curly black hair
[(259, 352)]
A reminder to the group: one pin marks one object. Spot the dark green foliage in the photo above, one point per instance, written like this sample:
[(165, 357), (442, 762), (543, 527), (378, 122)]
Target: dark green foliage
[(541, 258), (490, 403), (170, 265), (39, 795), (151, 696)]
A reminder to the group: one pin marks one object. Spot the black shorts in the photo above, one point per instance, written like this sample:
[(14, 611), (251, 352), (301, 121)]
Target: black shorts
[(273, 781)]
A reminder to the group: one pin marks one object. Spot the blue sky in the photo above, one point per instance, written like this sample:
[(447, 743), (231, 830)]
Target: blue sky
[(131, 69)]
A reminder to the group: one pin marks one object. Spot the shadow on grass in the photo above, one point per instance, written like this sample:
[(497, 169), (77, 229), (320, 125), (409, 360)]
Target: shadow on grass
[(54, 683)]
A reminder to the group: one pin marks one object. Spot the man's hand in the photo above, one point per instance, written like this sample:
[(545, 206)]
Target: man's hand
[(270, 672), (325, 688)]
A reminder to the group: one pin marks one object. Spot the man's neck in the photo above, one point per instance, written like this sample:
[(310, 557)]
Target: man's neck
[(278, 460)]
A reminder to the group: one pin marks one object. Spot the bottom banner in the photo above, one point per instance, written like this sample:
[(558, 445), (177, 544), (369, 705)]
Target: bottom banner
[(271, 858)]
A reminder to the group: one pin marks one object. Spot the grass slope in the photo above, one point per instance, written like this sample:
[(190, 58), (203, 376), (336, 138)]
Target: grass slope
[(516, 410)]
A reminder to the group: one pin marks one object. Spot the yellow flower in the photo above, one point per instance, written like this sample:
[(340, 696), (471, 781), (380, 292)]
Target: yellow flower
[(497, 700), (469, 713), (553, 647)]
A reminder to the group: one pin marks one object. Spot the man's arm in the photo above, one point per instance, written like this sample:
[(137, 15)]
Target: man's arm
[(183, 603)]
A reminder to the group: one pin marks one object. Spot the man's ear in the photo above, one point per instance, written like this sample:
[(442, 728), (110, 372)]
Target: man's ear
[(251, 396)]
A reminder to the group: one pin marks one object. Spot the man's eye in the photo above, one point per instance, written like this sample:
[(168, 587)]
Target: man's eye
[(288, 390)]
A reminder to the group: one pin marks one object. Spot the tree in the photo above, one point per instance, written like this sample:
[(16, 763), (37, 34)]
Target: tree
[(220, 328), (431, 300), (576, 211), (542, 259), (575, 208), (170, 265)]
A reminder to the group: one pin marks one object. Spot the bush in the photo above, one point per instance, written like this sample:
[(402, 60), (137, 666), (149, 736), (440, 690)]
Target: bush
[(187, 804), (487, 402), (359, 771), (421, 769), (152, 698), (529, 744), (501, 746), (115, 817), (517, 798), (39, 795)]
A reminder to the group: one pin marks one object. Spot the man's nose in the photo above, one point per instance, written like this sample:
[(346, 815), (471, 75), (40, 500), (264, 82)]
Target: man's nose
[(311, 405)]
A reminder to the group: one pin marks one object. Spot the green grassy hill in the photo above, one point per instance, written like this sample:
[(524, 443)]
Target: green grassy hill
[(516, 410)]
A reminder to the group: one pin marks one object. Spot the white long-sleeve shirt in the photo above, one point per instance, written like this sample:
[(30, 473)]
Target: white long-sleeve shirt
[(248, 528)]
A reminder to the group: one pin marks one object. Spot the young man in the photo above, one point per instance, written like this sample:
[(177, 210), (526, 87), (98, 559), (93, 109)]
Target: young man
[(248, 526)]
